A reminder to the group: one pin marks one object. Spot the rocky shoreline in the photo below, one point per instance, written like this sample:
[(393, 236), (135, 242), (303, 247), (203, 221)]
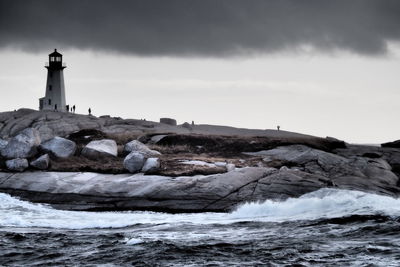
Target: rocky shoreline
[(88, 163)]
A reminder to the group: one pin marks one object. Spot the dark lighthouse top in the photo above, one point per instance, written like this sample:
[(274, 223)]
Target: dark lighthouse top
[(55, 61)]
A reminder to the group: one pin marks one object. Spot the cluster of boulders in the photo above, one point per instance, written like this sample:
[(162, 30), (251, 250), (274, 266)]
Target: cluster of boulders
[(26, 149), (140, 158)]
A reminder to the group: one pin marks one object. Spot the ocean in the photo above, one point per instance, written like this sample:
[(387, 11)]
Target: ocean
[(328, 227)]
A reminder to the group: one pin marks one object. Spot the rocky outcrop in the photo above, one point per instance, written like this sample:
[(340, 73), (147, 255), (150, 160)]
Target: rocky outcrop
[(329, 165), (41, 163), (220, 192), (23, 145), (394, 144), (59, 147), (17, 165), (134, 162), (136, 146), (105, 147)]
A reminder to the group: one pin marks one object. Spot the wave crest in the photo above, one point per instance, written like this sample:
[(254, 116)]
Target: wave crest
[(321, 204)]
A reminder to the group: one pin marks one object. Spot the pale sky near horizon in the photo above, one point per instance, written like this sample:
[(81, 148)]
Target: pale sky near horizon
[(350, 91)]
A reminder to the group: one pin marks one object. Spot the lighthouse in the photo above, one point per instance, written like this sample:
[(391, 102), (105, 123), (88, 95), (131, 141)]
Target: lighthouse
[(55, 90)]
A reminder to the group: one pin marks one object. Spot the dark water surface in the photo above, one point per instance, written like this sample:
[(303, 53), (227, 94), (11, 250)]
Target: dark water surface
[(326, 228)]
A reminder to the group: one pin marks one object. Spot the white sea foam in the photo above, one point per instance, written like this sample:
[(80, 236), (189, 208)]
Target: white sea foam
[(324, 203)]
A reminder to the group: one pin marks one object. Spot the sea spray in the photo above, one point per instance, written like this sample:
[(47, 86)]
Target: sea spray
[(324, 203)]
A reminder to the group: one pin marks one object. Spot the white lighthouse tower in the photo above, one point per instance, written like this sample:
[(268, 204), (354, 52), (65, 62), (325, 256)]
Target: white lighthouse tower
[(55, 90)]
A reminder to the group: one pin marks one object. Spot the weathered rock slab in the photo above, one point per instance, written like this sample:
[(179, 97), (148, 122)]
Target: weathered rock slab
[(219, 192), (59, 147)]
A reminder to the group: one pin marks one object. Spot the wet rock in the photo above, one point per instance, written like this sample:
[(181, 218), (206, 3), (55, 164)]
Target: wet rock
[(41, 163), (23, 145), (17, 165), (100, 148), (134, 162), (59, 147), (136, 146), (151, 165)]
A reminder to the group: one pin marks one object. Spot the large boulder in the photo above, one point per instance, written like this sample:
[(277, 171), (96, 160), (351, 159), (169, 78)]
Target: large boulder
[(134, 162), (327, 164), (59, 147), (151, 165), (98, 148), (17, 165), (41, 163), (136, 146), (23, 145)]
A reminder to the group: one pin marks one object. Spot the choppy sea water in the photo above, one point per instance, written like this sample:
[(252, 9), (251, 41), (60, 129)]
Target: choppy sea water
[(327, 228)]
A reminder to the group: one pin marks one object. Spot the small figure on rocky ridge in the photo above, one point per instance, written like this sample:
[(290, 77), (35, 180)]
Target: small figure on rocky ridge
[(90, 111)]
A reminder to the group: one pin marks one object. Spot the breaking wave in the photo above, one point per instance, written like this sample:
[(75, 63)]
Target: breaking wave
[(321, 204)]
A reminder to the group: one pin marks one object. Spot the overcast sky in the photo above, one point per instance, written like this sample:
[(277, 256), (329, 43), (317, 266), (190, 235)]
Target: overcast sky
[(317, 67)]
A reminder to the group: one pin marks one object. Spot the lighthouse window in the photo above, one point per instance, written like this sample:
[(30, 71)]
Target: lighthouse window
[(51, 59), (58, 59), (49, 102)]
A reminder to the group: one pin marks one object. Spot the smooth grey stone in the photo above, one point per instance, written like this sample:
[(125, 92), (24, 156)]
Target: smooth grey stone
[(41, 163), (18, 165), (136, 146), (151, 165), (134, 162), (23, 145), (59, 147), (96, 148)]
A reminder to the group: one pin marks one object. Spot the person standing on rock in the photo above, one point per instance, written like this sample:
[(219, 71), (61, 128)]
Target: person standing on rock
[(90, 111), (73, 108), (55, 107)]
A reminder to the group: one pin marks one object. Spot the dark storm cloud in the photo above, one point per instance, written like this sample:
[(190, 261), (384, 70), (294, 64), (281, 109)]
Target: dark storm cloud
[(200, 27)]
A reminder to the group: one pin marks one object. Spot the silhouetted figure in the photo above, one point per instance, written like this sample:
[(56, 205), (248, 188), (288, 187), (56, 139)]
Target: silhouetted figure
[(55, 107), (73, 108), (67, 108), (90, 111), (192, 123), (279, 127)]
